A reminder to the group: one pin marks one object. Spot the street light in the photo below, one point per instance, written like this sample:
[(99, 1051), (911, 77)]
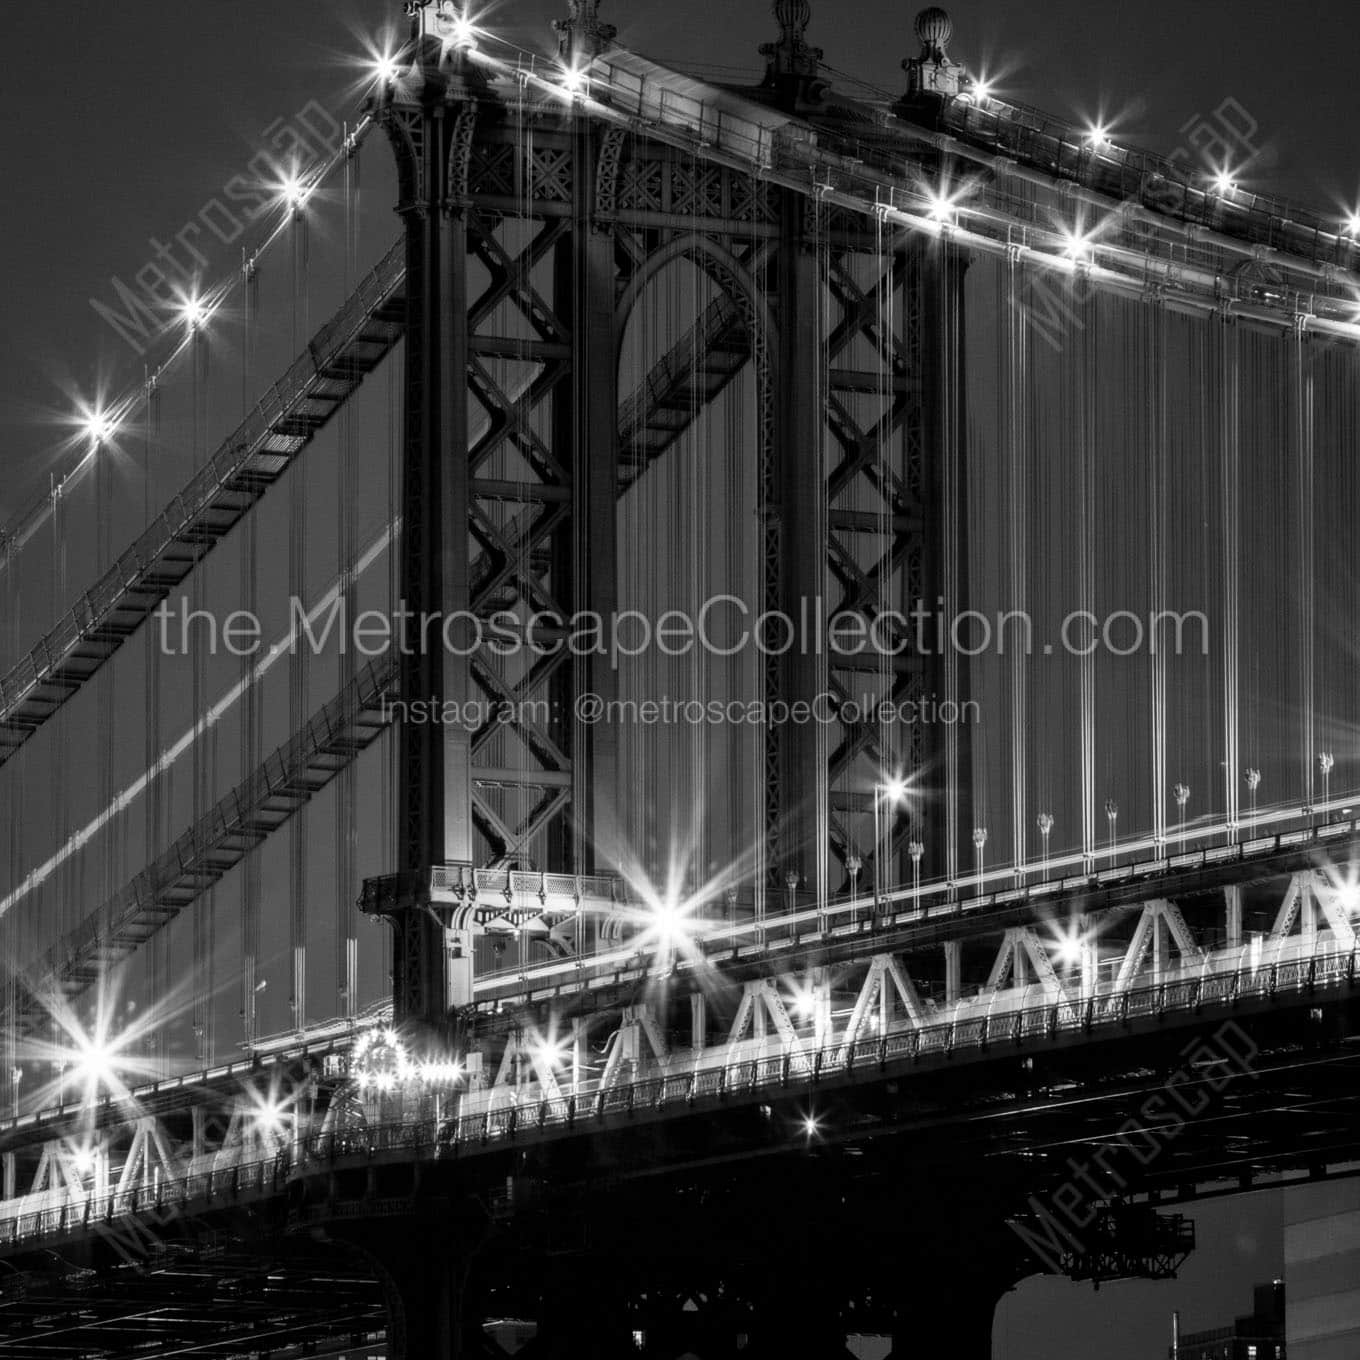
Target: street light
[(1111, 816), (894, 791), (917, 850), (1181, 793), (1044, 822), (853, 864), (1253, 783), (979, 844), (1326, 763)]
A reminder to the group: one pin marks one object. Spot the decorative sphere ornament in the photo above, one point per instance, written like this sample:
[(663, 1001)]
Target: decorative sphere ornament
[(934, 28), (792, 15)]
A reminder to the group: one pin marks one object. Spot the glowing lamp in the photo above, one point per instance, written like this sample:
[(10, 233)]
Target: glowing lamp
[(573, 80), (668, 921), (1070, 949), (270, 1119), (940, 208), (1353, 225), (895, 790), (1076, 247), (453, 25), (294, 193), (97, 427), (1098, 138), (94, 1065), (83, 1161), (982, 90), (1224, 182), (549, 1054), (193, 313), (385, 69)]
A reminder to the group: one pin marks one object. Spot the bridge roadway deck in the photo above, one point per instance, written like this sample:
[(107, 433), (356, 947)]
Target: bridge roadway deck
[(910, 918), (848, 929), (1259, 1016)]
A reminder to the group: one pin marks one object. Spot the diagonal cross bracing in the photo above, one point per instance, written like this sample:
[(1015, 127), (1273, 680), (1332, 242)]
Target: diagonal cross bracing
[(127, 921)]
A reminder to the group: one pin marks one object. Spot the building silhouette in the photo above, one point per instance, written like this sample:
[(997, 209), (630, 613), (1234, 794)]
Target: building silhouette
[(1260, 1335)]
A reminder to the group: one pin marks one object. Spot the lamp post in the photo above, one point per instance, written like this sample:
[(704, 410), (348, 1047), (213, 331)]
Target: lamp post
[(1181, 793), (1044, 822), (1112, 817), (979, 844), (853, 864), (917, 850), (1253, 783), (1326, 762)]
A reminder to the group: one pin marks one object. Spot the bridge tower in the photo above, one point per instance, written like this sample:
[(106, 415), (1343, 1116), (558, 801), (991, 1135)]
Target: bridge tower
[(536, 216)]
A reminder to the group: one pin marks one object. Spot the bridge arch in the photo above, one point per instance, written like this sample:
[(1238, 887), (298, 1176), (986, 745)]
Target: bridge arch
[(733, 278)]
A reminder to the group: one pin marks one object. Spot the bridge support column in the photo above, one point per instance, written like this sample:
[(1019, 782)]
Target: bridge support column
[(432, 1312)]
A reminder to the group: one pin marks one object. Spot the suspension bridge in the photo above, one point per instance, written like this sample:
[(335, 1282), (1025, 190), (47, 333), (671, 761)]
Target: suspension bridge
[(723, 701)]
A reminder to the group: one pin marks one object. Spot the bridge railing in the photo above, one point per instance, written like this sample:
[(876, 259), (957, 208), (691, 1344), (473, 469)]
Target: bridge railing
[(1264, 835), (713, 1073), (1288, 969), (250, 439)]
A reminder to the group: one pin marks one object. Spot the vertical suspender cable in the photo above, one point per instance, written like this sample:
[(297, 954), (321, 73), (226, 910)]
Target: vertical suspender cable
[(1155, 360), (1301, 362), (890, 758), (250, 698), (1230, 493), (1017, 539), (159, 947), (346, 825), (12, 934), (1086, 387), (201, 762), (298, 668)]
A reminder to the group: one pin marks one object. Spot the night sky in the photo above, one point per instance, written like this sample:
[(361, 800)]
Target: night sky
[(124, 119)]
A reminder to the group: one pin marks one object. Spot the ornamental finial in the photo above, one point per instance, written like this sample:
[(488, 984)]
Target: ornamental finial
[(792, 65), (581, 36), (933, 73)]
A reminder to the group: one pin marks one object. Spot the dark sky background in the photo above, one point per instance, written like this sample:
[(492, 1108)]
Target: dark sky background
[(123, 119)]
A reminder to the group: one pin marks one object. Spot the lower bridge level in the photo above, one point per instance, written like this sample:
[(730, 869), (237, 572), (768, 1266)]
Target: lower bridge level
[(655, 1159)]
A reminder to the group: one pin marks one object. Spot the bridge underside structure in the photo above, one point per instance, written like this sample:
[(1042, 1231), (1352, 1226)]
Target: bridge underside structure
[(711, 1121), (964, 1098)]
